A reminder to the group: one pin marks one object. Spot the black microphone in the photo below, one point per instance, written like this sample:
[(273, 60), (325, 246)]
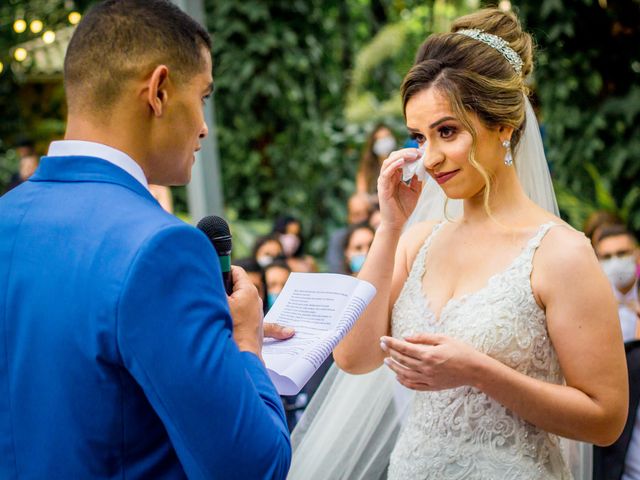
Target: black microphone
[(217, 231)]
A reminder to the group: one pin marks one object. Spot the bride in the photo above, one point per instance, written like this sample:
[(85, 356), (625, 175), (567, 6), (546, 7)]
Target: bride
[(500, 321)]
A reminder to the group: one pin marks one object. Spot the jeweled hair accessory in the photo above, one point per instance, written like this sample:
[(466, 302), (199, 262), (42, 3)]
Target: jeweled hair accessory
[(498, 43)]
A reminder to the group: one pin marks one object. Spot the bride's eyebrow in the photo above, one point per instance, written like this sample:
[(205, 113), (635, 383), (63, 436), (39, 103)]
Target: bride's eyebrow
[(438, 122), (417, 131)]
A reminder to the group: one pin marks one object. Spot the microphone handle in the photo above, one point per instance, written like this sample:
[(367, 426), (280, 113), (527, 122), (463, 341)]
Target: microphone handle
[(228, 282), (225, 266)]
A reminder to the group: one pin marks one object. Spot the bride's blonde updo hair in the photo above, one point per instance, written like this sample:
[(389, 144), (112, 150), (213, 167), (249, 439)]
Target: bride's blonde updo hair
[(476, 77)]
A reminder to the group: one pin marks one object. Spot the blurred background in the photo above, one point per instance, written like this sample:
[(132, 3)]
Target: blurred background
[(300, 85)]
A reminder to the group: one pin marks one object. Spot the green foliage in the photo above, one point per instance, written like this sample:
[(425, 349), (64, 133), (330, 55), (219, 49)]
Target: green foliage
[(587, 80), (577, 207), (381, 64), (279, 95)]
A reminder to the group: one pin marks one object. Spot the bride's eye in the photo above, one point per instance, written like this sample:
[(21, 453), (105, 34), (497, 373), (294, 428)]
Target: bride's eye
[(418, 137), (446, 131)]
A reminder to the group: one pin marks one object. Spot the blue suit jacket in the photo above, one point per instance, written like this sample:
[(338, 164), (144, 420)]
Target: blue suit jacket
[(116, 350)]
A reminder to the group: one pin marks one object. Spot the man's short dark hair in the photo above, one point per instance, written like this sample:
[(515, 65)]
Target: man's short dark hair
[(119, 39), (616, 231)]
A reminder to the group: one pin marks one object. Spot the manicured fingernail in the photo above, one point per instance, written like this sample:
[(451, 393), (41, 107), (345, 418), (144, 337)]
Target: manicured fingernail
[(383, 346), (288, 331), (387, 361)]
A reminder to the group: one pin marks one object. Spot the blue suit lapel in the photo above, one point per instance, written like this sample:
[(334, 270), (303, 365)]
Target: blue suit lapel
[(86, 169)]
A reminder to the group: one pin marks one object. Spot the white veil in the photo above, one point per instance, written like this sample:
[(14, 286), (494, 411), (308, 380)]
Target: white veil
[(351, 425)]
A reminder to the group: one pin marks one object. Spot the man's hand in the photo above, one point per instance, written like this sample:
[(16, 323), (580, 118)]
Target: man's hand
[(273, 330), (246, 311)]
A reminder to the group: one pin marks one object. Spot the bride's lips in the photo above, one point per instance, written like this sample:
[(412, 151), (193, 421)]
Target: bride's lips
[(444, 176)]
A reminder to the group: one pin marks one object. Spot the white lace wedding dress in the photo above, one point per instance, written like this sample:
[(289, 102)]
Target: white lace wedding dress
[(462, 433)]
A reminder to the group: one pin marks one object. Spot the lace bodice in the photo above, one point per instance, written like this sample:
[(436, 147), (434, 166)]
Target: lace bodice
[(462, 433)]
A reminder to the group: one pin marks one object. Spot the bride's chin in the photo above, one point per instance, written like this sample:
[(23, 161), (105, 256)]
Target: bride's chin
[(455, 193)]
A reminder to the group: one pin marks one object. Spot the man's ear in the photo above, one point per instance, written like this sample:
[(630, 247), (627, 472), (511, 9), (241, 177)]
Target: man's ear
[(158, 90)]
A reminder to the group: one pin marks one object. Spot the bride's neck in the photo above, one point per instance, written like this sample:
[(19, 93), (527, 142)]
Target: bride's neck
[(507, 201)]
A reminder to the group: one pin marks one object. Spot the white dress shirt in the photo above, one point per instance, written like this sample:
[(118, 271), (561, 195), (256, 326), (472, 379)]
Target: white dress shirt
[(627, 304), (628, 321), (68, 148)]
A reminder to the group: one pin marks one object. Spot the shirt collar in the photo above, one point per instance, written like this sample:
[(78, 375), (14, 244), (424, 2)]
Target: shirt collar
[(630, 297), (71, 148)]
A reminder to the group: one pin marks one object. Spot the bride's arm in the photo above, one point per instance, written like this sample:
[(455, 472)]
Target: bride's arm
[(359, 351), (385, 267), (584, 329)]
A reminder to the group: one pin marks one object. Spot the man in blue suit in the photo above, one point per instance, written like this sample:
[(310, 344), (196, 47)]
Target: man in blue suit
[(120, 354)]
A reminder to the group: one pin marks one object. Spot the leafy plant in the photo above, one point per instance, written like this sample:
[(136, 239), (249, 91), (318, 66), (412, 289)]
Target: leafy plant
[(587, 81)]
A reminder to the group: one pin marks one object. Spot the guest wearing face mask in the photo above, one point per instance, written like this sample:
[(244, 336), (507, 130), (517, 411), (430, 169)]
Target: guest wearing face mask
[(379, 145), (356, 247), (359, 210), (617, 250), (288, 230), (267, 249), (275, 276)]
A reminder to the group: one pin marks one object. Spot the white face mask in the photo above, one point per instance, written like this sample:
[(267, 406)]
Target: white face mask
[(264, 260), (290, 243), (621, 271), (384, 146)]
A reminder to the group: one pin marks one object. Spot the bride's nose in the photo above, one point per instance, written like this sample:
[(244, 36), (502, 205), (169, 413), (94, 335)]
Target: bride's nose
[(433, 156)]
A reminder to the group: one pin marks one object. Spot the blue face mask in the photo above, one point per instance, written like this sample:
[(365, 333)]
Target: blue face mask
[(356, 262), (271, 299)]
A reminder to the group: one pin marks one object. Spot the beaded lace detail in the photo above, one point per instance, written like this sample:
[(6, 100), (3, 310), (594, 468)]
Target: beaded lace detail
[(462, 433)]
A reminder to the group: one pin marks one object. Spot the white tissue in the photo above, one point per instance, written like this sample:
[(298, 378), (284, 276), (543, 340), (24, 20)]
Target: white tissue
[(415, 168)]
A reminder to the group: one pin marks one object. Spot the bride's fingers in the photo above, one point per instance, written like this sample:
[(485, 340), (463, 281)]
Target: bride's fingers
[(397, 159), (408, 362), (401, 371), (419, 386), (405, 348), (389, 170), (416, 184), (406, 153), (404, 375)]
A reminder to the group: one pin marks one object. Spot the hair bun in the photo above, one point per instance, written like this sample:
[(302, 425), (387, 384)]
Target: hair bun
[(505, 25)]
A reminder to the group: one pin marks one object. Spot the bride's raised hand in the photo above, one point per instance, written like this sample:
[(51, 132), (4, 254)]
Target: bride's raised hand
[(431, 362), (397, 199)]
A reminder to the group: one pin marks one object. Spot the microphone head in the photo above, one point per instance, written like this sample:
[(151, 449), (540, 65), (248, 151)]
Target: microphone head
[(217, 231)]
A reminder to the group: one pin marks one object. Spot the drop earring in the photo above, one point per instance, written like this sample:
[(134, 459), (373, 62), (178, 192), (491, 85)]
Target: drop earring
[(508, 158)]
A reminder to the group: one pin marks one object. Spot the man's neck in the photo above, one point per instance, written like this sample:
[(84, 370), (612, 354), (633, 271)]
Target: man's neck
[(626, 290), (118, 137)]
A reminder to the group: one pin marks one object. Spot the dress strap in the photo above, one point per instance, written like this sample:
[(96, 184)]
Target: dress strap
[(536, 240), (417, 269)]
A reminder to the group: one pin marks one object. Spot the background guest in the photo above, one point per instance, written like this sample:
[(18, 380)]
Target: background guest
[(266, 249), (617, 250), (275, 276), (359, 209), (598, 220), (288, 229), (379, 145), (356, 246)]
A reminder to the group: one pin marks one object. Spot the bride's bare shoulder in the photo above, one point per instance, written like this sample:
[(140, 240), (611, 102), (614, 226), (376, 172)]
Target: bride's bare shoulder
[(414, 237), (564, 237), (565, 251)]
